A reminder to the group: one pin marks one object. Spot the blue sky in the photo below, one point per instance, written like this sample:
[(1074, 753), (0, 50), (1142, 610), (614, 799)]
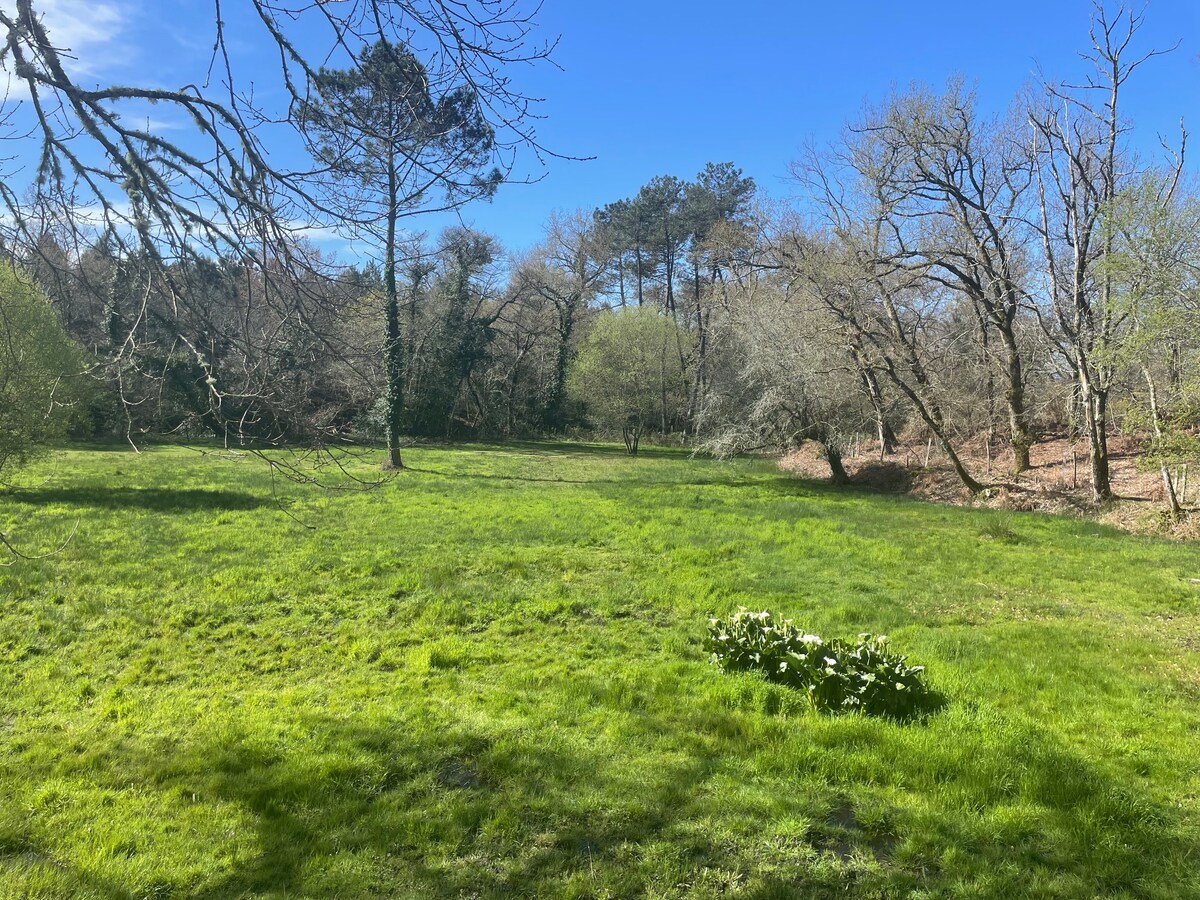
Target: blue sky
[(657, 87), (654, 87)]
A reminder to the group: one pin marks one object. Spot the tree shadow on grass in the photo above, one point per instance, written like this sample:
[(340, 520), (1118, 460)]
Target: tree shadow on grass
[(152, 499), (630, 482), (392, 809), (434, 814), (41, 869), (568, 449)]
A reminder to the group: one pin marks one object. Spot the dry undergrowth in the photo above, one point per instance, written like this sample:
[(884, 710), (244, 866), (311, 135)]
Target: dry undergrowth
[(1058, 481)]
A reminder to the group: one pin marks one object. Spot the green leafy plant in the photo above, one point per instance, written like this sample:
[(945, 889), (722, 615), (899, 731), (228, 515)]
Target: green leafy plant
[(837, 676), (39, 372)]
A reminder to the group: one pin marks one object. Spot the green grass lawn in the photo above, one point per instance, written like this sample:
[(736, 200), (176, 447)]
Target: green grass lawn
[(486, 679)]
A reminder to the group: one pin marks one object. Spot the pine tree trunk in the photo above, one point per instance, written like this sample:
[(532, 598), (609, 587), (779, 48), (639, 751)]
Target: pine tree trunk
[(394, 347)]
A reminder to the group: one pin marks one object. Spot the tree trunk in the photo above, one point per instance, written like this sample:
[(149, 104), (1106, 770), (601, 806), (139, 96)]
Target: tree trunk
[(1096, 415), (932, 417), (883, 429), (393, 348), (632, 433), (1168, 485), (556, 409), (669, 265), (1169, 490), (837, 471), (637, 255), (1018, 415), (929, 410), (999, 315), (700, 381)]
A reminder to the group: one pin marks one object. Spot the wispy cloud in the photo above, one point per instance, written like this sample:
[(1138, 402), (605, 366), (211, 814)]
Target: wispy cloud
[(319, 234), (156, 125), (88, 34), (88, 30)]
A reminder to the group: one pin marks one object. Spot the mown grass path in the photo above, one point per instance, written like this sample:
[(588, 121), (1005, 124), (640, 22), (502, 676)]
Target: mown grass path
[(486, 679)]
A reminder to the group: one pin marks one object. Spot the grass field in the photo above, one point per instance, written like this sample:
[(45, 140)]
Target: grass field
[(486, 679)]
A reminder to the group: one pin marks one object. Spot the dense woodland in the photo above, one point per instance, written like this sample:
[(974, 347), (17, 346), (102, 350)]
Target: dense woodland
[(944, 272)]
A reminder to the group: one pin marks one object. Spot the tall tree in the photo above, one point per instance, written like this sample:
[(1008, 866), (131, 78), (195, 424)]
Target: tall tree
[(213, 188), (467, 299), (967, 180), (624, 226), (715, 207), (567, 270), (627, 373), (659, 204), (1081, 166), (1155, 267), (391, 149), (855, 265), (39, 371), (795, 382)]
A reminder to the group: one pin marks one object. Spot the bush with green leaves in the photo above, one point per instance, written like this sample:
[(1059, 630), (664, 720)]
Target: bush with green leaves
[(39, 371), (837, 676)]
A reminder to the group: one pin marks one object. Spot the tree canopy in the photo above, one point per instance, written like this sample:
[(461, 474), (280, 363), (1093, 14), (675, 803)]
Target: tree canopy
[(628, 374)]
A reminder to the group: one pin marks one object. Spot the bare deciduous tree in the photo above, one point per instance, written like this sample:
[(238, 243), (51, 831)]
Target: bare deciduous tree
[(1081, 166), (889, 308), (964, 181)]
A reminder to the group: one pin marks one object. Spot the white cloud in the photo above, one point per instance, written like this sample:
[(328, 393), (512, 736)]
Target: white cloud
[(87, 33), (319, 234), (156, 125), (89, 30)]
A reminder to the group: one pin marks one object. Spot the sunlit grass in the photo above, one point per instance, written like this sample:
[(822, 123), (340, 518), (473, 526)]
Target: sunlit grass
[(485, 679)]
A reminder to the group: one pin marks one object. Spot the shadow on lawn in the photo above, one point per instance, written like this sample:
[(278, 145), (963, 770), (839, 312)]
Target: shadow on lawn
[(473, 816), (389, 809), (788, 485), (629, 482), (154, 499), (435, 815), (571, 448)]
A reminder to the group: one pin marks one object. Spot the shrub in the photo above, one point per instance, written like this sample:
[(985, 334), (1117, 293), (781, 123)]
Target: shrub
[(837, 676), (39, 370)]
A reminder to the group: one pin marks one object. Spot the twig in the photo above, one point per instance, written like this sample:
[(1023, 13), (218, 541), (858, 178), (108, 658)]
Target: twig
[(19, 555)]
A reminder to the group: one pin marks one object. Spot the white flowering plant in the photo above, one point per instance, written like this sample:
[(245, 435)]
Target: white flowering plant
[(837, 675)]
